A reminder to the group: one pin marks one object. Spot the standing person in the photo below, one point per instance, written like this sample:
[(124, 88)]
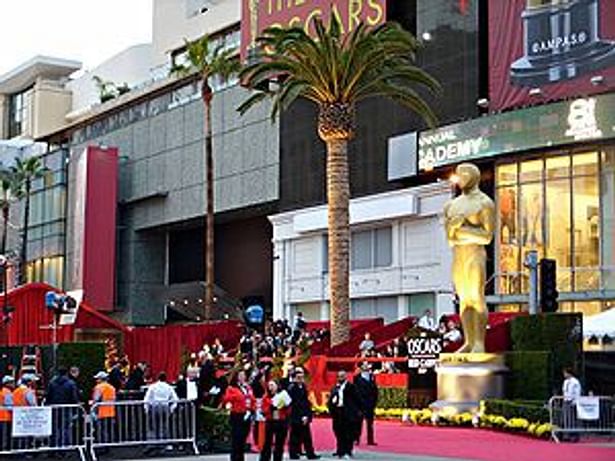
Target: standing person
[(160, 401), (136, 380), (104, 395), (345, 413), (300, 418), (571, 390), (368, 398), (25, 394), (63, 390), (239, 399), (276, 408), (367, 344), (207, 379), (6, 415), (427, 321), (116, 376)]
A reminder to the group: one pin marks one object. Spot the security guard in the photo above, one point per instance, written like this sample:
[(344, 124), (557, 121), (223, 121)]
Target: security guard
[(6, 415), (104, 395)]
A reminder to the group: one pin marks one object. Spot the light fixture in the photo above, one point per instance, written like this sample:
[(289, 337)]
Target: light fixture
[(483, 103), (597, 80), (200, 301), (185, 302), (426, 36), (535, 92)]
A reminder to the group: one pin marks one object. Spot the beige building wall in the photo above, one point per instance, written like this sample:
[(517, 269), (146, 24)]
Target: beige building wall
[(3, 109), (174, 22), (50, 104)]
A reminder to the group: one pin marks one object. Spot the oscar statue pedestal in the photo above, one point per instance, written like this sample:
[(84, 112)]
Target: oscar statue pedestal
[(466, 379)]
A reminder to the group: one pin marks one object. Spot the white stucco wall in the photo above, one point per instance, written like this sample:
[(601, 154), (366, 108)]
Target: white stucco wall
[(420, 263)]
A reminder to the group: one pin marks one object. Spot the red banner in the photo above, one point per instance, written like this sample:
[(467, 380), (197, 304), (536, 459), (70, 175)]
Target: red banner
[(541, 51), (257, 15)]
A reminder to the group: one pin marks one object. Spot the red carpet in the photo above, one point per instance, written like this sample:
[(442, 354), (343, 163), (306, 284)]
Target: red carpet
[(465, 443)]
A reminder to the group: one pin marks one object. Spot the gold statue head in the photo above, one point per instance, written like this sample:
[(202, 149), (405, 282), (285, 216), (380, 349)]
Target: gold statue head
[(468, 176)]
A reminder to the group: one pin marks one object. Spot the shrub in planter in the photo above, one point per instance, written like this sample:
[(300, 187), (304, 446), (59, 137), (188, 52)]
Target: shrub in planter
[(530, 375), (559, 334), (392, 397), (535, 412), (213, 430)]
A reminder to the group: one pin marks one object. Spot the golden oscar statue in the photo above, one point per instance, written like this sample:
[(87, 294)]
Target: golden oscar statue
[(469, 222), (469, 375)]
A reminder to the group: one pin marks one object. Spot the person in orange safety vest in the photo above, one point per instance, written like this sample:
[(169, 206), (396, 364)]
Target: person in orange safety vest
[(6, 412), (104, 395), (24, 395)]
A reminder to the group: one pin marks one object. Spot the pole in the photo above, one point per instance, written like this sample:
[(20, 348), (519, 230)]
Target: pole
[(54, 341), (531, 262)]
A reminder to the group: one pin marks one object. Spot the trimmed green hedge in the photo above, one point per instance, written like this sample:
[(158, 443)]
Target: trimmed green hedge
[(534, 412), (89, 357), (559, 334), (392, 397), (213, 430), (530, 375)]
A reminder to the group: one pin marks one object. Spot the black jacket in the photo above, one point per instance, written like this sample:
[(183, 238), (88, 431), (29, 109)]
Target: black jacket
[(351, 409), (368, 394), (62, 391), (300, 406)]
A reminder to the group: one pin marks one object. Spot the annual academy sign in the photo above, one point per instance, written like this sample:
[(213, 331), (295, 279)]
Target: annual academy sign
[(583, 119)]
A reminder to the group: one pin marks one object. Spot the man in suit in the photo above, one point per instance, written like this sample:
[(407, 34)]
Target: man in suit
[(345, 411), (300, 418), (368, 398)]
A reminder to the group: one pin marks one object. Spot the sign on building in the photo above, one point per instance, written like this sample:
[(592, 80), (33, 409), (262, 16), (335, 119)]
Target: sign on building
[(257, 15), (31, 422), (556, 124), (564, 48)]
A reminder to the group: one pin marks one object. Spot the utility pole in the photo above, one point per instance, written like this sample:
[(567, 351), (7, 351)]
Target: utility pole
[(531, 262)]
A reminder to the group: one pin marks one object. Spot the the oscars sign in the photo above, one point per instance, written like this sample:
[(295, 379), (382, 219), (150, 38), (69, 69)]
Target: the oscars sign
[(257, 15)]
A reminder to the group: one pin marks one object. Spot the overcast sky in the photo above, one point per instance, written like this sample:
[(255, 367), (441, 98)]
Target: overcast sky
[(89, 31)]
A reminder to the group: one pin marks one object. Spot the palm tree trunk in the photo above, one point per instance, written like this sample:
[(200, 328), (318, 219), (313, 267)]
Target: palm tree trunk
[(209, 203), (338, 192), (5, 228), (23, 261)]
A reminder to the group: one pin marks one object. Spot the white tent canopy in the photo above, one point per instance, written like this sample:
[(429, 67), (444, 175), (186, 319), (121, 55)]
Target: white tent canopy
[(600, 324)]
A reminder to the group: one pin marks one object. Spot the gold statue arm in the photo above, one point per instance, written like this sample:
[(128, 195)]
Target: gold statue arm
[(468, 234)]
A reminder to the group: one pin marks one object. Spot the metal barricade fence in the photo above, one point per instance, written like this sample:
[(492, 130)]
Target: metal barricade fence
[(138, 423), (52, 428), (589, 415)]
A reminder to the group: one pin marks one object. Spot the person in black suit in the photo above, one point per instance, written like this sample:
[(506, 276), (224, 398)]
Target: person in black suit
[(300, 418), (345, 410), (368, 398)]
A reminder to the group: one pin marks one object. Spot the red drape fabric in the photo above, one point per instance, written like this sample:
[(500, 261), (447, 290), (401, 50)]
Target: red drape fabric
[(31, 320), (162, 347)]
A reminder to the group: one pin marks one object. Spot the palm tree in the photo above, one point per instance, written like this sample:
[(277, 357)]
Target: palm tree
[(25, 172), (336, 72), (208, 62), (7, 186)]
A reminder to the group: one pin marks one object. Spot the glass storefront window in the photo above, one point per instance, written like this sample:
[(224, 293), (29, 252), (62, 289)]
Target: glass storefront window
[(47, 270), (607, 195), (531, 171), (558, 244), (563, 206), (558, 167)]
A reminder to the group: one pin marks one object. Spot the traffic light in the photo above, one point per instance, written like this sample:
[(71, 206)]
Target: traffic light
[(548, 285)]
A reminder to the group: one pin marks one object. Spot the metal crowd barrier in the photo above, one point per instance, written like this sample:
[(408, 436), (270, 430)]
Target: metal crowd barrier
[(587, 416), (137, 423), (61, 430)]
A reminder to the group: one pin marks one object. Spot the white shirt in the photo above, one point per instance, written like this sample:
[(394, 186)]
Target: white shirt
[(160, 393), (453, 335), (340, 394), (571, 389)]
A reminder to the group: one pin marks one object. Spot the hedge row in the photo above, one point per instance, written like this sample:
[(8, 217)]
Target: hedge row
[(534, 412)]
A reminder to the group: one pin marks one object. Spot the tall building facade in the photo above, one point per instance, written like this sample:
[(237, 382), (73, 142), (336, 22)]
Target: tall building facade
[(540, 132)]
